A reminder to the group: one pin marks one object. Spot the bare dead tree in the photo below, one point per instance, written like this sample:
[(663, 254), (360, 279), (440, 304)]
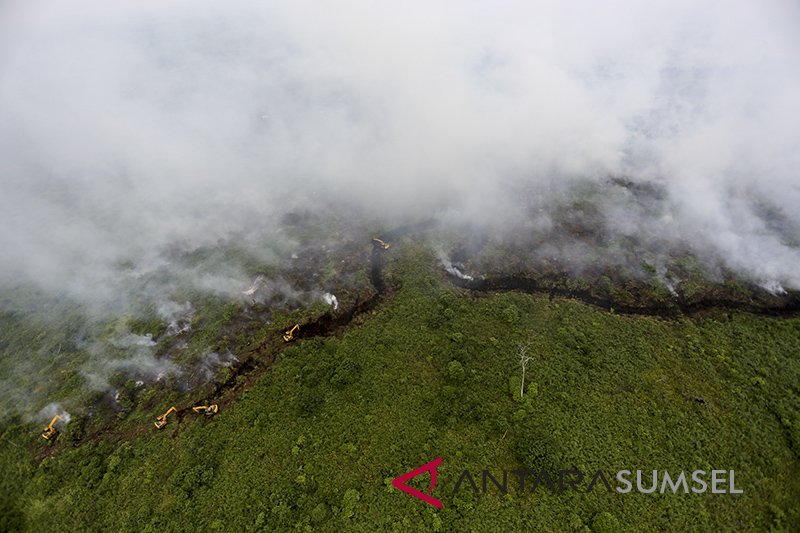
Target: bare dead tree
[(524, 359)]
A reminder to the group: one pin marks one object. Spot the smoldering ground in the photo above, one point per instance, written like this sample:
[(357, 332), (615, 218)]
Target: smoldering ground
[(134, 129)]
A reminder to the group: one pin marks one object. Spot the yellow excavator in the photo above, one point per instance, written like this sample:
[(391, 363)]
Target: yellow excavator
[(289, 335), (161, 421), (208, 410), (50, 431), (377, 242)]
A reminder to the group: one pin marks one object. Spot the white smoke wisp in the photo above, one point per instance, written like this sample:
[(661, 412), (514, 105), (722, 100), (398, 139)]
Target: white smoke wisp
[(131, 340), (147, 367), (51, 410), (277, 291), (134, 356), (178, 316), (773, 287), (257, 284), (331, 300), (670, 282), (450, 268), (209, 365)]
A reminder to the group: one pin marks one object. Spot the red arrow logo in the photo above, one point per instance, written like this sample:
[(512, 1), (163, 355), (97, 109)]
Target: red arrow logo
[(400, 482)]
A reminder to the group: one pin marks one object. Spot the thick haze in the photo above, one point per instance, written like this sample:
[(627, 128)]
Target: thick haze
[(129, 127)]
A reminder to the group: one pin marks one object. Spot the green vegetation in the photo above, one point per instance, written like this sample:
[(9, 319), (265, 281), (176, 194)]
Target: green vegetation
[(433, 372)]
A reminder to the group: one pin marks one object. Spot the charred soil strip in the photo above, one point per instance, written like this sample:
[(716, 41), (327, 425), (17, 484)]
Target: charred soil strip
[(260, 358), (249, 370), (677, 309)]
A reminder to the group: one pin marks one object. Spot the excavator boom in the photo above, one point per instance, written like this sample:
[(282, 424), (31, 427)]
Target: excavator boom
[(50, 431), (289, 335), (208, 410), (376, 241), (161, 421)]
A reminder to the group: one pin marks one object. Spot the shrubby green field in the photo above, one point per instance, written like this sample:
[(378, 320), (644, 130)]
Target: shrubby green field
[(433, 372)]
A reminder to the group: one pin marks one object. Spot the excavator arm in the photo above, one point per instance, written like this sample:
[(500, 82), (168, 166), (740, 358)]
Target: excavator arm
[(50, 431), (208, 410), (377, 242), (289, 335), (161, 421)]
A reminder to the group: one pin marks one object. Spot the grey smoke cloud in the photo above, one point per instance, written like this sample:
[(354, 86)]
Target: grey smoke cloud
[(46, 414), (139, 360), (130, 127)]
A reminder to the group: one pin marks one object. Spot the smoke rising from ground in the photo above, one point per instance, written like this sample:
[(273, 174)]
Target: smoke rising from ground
[(132, 132), (133, 127), (450, 268), (51, 410)]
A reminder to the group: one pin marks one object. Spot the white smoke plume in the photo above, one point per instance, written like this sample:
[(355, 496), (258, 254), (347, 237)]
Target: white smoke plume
[(177, 316), (128, 127), (134, 134), (450, 268), (207, 367), (137, 360), (331, 300), (257, 284), (51, 410), (670, 282)]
